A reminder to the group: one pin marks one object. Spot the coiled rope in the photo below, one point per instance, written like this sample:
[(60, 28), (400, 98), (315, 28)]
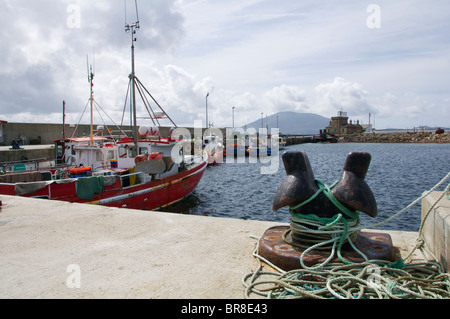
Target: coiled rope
[(370, 279), (324, 233)]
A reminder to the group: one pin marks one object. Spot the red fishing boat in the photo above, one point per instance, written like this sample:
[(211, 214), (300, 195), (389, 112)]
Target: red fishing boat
[(156, 184), (144, 172)]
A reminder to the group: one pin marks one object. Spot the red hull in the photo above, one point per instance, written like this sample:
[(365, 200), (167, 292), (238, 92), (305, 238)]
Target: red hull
[(148, 196)]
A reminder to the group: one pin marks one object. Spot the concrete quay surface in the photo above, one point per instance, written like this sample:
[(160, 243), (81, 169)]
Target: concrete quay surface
[(52, 249)]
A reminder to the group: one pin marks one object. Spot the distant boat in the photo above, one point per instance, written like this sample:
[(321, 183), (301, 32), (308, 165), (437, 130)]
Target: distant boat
[(138, 173), (282, 143), (214, 149), (266, 146)]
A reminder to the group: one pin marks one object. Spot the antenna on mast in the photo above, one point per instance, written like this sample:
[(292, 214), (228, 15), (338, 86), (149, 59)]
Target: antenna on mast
[(135, 25), (137, 13), (125, 4), (133, 28), (91, 99), (87, 68)]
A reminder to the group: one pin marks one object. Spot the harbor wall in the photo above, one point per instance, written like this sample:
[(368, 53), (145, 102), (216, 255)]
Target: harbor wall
[(299, 139), (27, 152), (436, 227), (46, 133), (42, 133), (414, 137)]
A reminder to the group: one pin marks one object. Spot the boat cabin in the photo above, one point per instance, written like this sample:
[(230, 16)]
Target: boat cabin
[(153, 157), (79, 152)]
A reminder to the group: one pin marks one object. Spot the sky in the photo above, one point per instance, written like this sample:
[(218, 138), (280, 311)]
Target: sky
[(389, 59)]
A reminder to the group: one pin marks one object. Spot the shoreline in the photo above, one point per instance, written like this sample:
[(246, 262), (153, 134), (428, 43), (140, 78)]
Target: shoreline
[(396, 138)]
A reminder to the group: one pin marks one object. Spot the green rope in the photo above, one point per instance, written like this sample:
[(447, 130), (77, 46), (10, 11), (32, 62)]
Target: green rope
[(371, 279), (324, 233), (326, 190), (320, 190)]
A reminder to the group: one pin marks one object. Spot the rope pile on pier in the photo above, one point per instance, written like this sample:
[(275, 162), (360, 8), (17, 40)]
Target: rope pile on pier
[(371, 279)]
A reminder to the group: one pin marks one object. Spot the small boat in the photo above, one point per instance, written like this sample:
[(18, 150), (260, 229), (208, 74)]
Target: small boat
[(236, 149), (259, 151), (214, 148), (239, 147), (264, 146), (282, 143), (147, 172)]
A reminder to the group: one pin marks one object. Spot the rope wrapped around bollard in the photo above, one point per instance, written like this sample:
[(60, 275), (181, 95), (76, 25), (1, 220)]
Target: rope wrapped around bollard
[(371, 279)]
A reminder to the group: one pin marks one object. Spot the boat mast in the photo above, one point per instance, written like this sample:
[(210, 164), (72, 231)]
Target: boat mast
[(91, 82), (64, 120), (136, 85), (132, 28)]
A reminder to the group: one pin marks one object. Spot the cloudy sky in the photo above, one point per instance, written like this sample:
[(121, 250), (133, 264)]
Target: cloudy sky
[(387, 58)]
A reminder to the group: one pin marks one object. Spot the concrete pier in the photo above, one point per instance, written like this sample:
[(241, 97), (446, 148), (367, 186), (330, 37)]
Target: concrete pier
[(52, 249)]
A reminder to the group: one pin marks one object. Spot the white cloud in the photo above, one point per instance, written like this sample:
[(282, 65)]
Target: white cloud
[(255, 55), (342, 95), (44, 59), (287, 98)]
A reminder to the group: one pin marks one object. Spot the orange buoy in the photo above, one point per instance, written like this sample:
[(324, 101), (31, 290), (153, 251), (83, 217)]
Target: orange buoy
[(80, 170), (154, 156), (140, 158)]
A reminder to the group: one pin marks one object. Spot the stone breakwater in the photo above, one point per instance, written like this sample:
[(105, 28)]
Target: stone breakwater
[(397, 138)]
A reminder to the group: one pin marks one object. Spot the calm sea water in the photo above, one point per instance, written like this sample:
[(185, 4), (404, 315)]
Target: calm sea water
[(398, 174)]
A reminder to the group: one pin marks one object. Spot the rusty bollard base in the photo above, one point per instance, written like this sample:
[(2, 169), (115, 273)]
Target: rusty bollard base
[(276, 250)]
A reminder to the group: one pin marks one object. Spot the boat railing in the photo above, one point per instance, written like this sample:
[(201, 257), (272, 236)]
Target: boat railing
[(131, 174), (142, 178), (25, 161)]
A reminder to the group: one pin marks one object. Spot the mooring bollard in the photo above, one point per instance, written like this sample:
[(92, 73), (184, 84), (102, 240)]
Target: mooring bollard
[(324, 219)]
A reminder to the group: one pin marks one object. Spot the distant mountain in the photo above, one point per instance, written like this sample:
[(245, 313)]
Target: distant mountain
[(293, 123)]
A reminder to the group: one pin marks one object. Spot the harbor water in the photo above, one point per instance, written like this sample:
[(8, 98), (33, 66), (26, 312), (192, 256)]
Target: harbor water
[(398, 174)]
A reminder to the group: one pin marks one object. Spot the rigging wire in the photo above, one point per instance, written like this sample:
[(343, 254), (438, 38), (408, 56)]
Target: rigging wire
[(125, 4), (98, 105), (137, 13)]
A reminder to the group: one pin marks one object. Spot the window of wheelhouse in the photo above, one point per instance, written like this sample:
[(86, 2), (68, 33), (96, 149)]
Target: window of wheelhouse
[(132, 152), (59, 150), (110, 155), (98, 156), (127, 151), (123, 151), (143, 150)]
